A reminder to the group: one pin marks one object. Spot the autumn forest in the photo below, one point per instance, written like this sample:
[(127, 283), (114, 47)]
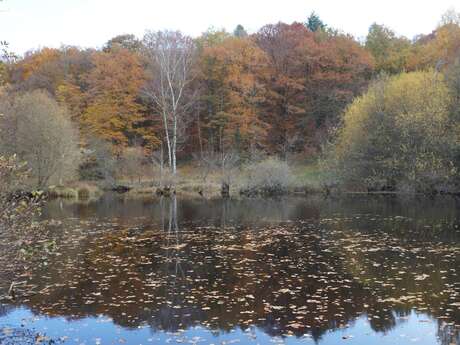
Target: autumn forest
[(298, 93)]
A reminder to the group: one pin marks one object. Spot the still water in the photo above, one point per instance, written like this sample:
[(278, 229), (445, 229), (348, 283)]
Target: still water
[(352, 270)]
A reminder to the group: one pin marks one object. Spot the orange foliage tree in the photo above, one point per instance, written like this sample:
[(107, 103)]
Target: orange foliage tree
[(311, 77), (438, 49), (114, 111), (229, 77)]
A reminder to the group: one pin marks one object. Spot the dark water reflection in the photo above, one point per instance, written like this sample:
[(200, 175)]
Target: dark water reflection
[(357, 269)]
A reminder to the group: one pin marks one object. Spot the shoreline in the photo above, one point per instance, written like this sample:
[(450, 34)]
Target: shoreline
[(210, 192)]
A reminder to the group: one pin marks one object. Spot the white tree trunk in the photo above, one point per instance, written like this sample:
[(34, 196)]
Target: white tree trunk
[(174, 147), (171, 58)]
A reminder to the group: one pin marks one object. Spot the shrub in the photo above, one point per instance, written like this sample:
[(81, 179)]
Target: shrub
[(40, 132), (399, 135), (98, 163), (268, 177)]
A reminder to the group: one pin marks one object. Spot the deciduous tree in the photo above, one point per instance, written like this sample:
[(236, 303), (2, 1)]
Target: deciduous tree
[(391, 53), (171, 57), (114, 111), (40, 132), (231, 91), (400, 135)]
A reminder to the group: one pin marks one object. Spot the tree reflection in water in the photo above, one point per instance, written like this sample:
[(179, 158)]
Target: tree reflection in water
[(295, 267)]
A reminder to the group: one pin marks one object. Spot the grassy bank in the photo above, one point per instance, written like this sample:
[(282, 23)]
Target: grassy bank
[(309, 177), (76, 190), (268, 177), (191, 182)]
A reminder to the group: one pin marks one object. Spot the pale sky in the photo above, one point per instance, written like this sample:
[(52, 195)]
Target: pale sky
[(30, 24)]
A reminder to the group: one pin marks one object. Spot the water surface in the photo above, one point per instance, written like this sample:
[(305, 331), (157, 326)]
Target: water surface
[(358, 270)]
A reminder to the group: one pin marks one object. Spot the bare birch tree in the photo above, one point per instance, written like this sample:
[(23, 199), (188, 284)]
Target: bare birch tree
[(170, 57)]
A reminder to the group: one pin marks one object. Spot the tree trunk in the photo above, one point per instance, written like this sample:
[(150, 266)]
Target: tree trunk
[(174, 147), (162, 160), (168, 140), (200, 141)]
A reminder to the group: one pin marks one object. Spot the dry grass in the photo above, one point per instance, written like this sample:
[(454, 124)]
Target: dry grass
[(62, 192), (142, 190), (191, 183), (76, 190)]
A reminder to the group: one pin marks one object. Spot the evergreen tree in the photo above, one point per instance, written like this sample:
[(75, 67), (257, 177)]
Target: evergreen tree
[(240, 31), (314, 23)]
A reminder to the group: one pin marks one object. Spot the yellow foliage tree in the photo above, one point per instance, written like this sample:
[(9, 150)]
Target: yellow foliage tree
[(389, 51), (399, 134), (437, 50)]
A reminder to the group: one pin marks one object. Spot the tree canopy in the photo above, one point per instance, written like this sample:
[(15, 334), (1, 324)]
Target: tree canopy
[(399, 134), (281, 90), (314, 23)]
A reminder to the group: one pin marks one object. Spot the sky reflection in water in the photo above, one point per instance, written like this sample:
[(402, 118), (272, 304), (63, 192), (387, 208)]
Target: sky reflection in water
[(352, 270)]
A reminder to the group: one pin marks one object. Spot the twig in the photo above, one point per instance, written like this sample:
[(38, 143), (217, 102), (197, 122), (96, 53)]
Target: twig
[(11, 291)]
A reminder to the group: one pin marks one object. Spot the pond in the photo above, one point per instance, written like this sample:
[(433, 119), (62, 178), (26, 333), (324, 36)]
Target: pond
[(351, 270)]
